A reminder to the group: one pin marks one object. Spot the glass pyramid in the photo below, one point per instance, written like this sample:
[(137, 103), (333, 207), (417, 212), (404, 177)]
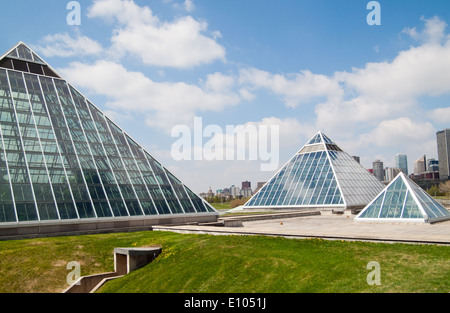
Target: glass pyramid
[(403, 200), (62, 159), (320, 175)]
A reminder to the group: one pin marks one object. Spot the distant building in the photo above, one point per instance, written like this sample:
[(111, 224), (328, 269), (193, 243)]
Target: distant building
[(246, 193), (432, 165), (443, 145), (235, 191), (224, 193), (246, 190), (420, 165), (390, 173), (259, 185), (246, 185), (210, 193), (401, 162), (356, 158), (378, 170)]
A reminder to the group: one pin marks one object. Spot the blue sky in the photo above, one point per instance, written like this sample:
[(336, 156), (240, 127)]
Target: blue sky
[(303, 66)]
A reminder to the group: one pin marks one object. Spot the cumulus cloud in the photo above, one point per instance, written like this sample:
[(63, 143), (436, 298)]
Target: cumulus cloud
[(362, 98), (182, 43), (433, 32), (164, 103), (440, 115), (64, 45), (264, 142), (386, 90), (189, 5), (382, 101), (423, 70), (397, 131), (123, 11), (377, 106), (295, 89)]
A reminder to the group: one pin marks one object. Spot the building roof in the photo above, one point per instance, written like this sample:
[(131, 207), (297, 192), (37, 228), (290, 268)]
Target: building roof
[(321, 174), (62, 159), (403, 201)]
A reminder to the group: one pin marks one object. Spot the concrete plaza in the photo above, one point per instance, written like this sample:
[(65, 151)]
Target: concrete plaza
[(332, 227)]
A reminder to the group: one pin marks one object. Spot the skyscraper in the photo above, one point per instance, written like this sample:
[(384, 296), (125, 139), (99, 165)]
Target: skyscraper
[(378, 170), (66, 167), (401, 162), (420, 165), (443, 145)]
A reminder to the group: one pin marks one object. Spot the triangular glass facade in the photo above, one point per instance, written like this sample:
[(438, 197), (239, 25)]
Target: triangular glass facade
[(403, 200), (319, 175), (62, 159)]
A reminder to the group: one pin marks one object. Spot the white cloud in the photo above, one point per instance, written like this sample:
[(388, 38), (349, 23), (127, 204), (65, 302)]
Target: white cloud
[(126, 12), (390, 90), (423, 70), (257, 140), (440, 115), (218, 81), (181, 43), (293, 134), (189, 5), (164, 103), (294, 88), (398, 131), (349, 102), (63, 45), (433, 32)]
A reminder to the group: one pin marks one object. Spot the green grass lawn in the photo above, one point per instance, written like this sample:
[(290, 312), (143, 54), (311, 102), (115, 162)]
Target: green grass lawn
[(226, 264), (221, 206)]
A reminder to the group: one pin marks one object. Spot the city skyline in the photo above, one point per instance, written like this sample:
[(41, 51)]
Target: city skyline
[(304, 66), (389, 173)]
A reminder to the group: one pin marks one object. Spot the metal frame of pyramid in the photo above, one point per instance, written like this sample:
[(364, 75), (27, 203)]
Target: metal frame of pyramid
[(403, 201), (319, 176), (66, 167)]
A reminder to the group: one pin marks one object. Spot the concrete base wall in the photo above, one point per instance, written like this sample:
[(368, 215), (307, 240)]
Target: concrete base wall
[(87, 283), (126, 260), (94, 226)]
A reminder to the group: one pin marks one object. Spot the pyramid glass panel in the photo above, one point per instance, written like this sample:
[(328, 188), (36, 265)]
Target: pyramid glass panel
[(403, 200), (62, 159), (319, 175)]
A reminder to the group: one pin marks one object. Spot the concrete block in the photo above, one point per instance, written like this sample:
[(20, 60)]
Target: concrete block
[(127, 260)]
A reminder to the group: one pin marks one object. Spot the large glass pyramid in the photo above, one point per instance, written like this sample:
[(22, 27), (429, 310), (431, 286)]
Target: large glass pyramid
[(320, 175), (62, 159), (403, 201)]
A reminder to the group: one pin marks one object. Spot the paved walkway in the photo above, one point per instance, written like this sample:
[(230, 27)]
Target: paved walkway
[(333, 227)]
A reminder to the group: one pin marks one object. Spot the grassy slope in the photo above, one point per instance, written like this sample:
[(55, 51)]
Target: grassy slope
[(202, 263), (221, 206)]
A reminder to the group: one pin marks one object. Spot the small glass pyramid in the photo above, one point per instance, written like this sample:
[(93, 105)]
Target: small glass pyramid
[(320, 175), (403, 200)]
